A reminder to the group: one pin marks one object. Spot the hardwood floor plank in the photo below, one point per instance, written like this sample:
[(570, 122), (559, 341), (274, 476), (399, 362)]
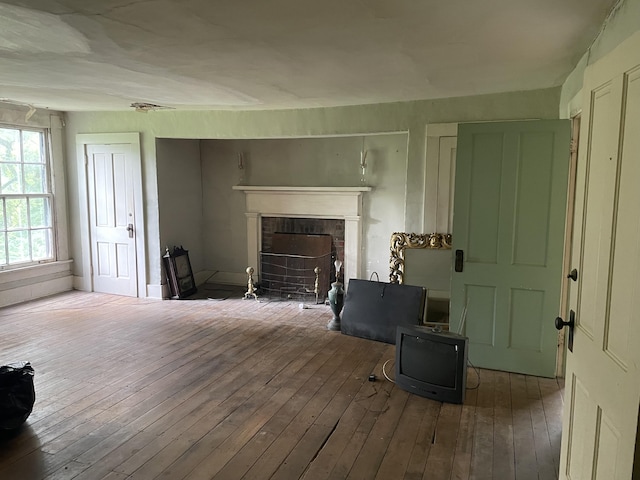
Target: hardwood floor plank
[(30, 466), (426, 431), (214, 461), (66, 471), (355, 378), (503, 443), (547, 468), (441, 454), (344, 413), (367, 464), (552, 403), (340, 451), (465, 443), (398, 453), (168, 445), (524, 445), (312, 373), (483, 436), (131, 388), (303, 453), (290, 441), (278, 436)]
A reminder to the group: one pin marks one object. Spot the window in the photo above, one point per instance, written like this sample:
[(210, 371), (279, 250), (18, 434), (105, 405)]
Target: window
[(26, 223)]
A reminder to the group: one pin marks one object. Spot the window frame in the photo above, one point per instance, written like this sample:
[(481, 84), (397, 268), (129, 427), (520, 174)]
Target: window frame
[(49, 194)]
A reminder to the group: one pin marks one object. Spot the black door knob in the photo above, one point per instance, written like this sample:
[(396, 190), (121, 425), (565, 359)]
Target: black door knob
[(560, 323), (573, 275)]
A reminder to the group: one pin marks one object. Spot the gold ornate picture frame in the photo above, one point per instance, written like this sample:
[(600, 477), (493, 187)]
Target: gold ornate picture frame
[(401, 241)]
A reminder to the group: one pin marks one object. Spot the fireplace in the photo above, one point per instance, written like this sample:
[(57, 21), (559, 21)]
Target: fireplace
[(297, 256), (330, 203), (310, 226)]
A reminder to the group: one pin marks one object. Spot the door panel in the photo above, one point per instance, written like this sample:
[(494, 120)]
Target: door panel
[(527, 306), (600, 419), (599, 199), (533, 198), (111, 211), (581, 431), (624, 293), (481, 321), (510, 204), (483, 203)]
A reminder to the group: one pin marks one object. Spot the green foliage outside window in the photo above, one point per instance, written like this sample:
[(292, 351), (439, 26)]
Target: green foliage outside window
[(26, 226)]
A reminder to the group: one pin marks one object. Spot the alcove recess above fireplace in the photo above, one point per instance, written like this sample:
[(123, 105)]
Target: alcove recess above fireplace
[(307, 202)]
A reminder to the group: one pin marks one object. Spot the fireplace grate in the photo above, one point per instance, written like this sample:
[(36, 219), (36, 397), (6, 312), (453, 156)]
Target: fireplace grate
[(293, 277)]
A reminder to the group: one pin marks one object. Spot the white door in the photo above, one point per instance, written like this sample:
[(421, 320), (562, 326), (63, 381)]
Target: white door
[(110, 176), (603, 370)]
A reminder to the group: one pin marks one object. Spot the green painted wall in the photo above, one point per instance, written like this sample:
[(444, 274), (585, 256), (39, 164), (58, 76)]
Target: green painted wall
[(623, 22), (180, 197), (411, 117), (311, 161)]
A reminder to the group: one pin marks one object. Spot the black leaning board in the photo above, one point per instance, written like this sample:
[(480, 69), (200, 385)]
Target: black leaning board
[(374, 309)]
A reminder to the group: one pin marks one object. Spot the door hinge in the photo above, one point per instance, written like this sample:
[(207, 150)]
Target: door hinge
[(86, 159), (573, 146)]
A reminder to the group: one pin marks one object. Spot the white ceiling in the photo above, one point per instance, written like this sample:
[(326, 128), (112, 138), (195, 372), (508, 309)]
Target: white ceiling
[(255, 54)]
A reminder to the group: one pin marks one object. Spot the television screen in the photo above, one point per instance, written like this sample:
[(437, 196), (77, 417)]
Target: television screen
[(431, 363)]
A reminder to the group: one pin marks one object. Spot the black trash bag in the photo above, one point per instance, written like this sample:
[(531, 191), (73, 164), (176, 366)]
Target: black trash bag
[(17, 394)]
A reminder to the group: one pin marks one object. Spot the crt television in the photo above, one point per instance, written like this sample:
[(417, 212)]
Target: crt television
[(431, 363)]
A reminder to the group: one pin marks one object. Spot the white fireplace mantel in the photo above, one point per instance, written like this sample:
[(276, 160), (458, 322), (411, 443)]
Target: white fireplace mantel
[(306, 202)]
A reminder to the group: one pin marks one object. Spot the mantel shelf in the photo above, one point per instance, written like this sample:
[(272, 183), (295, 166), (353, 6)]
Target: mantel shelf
[(269, 188)]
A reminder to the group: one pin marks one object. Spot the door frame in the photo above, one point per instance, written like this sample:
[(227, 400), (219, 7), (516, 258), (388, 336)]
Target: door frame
[(82, 140), (561, 360), (433, 177)]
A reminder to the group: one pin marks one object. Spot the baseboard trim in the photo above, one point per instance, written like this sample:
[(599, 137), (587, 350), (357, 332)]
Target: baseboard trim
[(204, 276), (25, 293), (156, 291)]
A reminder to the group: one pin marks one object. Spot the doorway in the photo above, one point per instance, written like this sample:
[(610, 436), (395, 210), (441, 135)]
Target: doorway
[(112, 222)]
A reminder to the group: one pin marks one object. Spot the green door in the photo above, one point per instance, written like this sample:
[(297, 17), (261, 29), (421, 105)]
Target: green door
[(509, 219)]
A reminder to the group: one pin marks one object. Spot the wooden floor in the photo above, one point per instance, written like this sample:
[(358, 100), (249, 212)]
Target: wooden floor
[(142, 389)]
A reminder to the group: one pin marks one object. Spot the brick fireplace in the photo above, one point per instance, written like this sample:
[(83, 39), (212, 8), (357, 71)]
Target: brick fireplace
[(329, 203), (309, 226), (292, 250)]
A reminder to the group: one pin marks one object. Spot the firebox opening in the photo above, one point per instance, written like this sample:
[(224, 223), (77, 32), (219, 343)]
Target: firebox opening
[(292, 248)]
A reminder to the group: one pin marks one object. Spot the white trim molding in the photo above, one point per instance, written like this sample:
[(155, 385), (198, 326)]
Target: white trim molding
[(343, 203), (35, 281)]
